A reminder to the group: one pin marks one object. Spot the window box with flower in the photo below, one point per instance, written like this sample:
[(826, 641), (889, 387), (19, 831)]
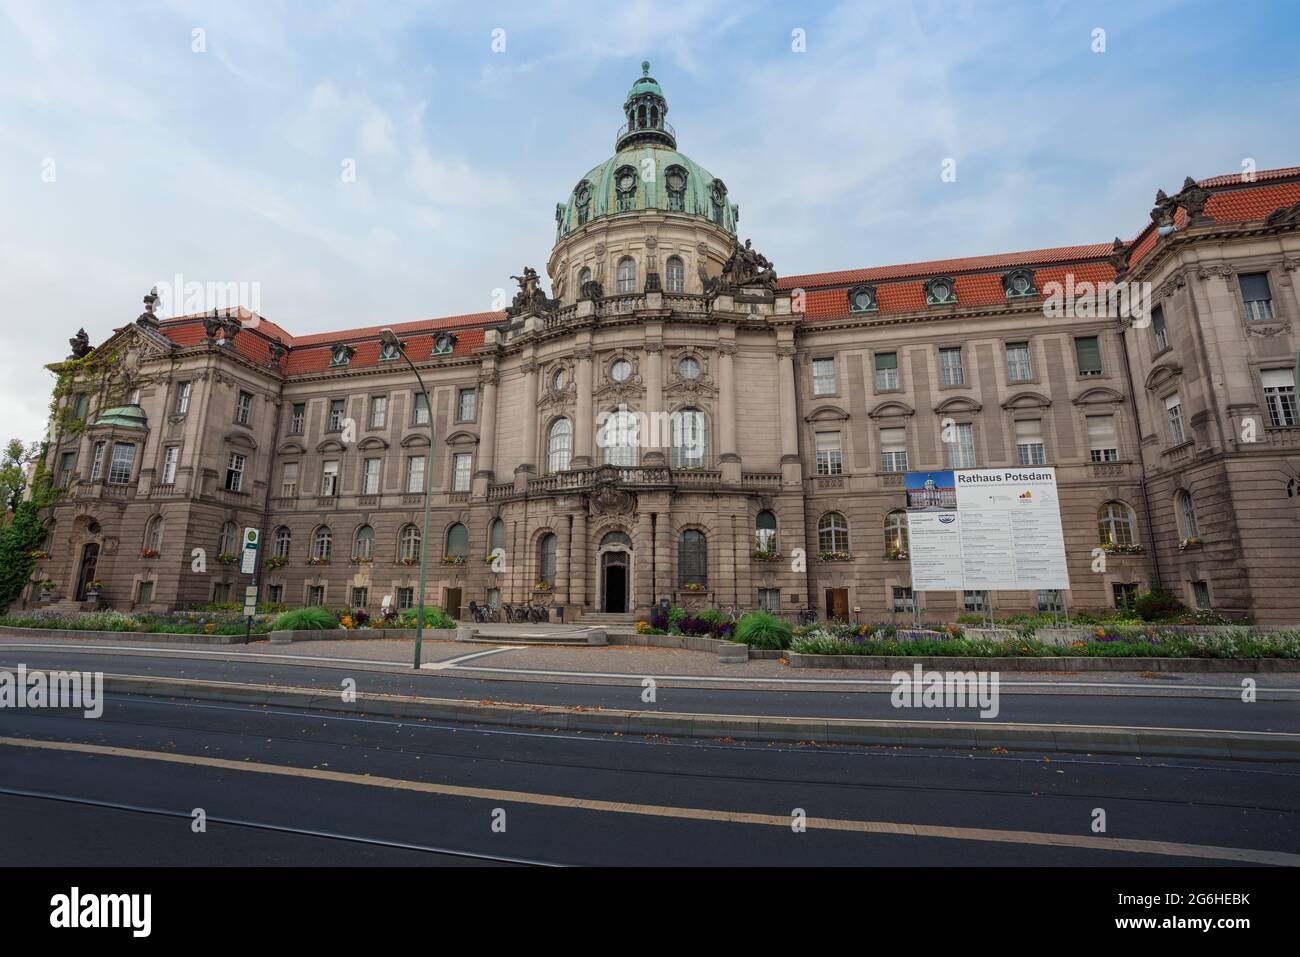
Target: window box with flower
[(1192, 541), (834, 557), (276, 561), (1121, 548), (542, 586), (410, 561), (40, 554), (362, 560), (94, 587), (318, 561), (452, 560), (896, 554), (148, 553), (766, 555), (227, 558), (695, 587)]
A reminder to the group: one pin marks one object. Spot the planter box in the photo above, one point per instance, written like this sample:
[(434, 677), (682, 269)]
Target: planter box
[(359, 634)]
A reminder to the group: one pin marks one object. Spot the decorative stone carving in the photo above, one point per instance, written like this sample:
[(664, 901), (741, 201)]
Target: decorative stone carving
[(1209, 272), (147, 318), (277, 350), (530, 298), (745, 267), (1191, 198), (219, 329), (80, 344), (1119, 256)]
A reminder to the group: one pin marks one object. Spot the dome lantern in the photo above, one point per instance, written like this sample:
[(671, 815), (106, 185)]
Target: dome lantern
[(647, 112)]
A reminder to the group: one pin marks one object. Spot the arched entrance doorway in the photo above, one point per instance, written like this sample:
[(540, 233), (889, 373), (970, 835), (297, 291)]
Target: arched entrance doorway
[(614, 572), (86, 573)]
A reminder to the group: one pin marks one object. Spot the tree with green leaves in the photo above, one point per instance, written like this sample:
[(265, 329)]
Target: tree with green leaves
[(13, 473), (22, 537)]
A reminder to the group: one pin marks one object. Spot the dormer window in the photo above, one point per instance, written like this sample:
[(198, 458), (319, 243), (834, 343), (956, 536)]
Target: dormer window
[(862, 299), (389, 351), (719, 195), (1019, 283), (341, 355), (940, 291), (582, 202), (443, 344), (625, 184), (675, 181)]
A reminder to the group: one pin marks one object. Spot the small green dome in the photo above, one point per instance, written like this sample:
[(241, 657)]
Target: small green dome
[(645, 83), (124, 417)]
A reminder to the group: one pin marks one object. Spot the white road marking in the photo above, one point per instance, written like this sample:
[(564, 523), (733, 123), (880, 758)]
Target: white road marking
[(452, 662)]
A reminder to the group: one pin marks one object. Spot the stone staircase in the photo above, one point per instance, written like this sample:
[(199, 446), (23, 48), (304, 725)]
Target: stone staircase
[(535, 634), (609, 619)]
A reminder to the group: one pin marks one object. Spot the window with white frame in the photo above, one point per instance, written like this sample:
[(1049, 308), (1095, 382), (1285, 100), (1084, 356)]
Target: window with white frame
[(97, 461), (338, 409), (415, 473), (1257, 296), (904, 600), (183, 397), (626, 275), (833, 533), (1114, 524), (67, 462), (283, 541), (462, 471), (329, 482), (298, 418), (235, 472), (378, 411), (122, 464), (950, 367), (465, 400), (975, 602), (153, 538), (824, 377), (1087, 356), (559, 445), (961, 450), (409, 544), (1029, 442), (1279, 396), (1174, 415), (886, 371), (675, 275), (363, 543), (1201, 595), (1103, 442), (690, 439), (1051, 600), (370, 476), (322, 543), (896, 534), (171, 456), (893, 449), (1019, 368), (618, 435), (830, 457), (289, 480), (244, 408), (1158, 329), (1191, 527), (421, 409), (226, 541)]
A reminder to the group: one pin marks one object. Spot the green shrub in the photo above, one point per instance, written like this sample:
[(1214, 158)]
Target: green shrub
[(433, 618), (306, 619), (762, 630), (1159, 606)]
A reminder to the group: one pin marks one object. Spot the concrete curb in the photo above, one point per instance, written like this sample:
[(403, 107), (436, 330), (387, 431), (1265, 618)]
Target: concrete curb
[(162, 636), (906, 663), (358, 634), (1092, 739)]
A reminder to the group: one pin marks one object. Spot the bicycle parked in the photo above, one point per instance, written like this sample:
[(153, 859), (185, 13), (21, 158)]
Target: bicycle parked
[(808, 615)]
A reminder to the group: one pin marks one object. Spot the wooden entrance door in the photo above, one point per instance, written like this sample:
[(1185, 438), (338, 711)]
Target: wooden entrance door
[(837, 603), (89, 561)]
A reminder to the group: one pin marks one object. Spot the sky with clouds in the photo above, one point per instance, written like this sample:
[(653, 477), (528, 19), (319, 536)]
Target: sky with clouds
[(226, 164)]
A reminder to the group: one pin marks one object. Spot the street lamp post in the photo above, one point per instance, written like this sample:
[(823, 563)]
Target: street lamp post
[(389, 338)]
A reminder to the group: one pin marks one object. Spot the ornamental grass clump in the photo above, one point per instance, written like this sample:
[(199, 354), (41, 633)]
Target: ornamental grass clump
[(763, 630), (306, 619)]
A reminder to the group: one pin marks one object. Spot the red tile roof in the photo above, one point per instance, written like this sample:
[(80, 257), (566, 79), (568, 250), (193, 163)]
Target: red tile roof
[(317, 358)]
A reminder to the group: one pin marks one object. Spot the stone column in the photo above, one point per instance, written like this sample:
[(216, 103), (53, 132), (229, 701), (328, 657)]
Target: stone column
[(529, 464), (579, 566), (582, 428), (563, 573), (487, 433), (727, 456), (789, 416), (657, 430), (642, 597), (663, 555)]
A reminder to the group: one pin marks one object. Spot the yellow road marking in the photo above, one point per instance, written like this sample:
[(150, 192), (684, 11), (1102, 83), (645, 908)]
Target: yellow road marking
[(1125, 845)]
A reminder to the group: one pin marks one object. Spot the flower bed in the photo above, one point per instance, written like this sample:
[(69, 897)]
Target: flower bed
[(145, 624)]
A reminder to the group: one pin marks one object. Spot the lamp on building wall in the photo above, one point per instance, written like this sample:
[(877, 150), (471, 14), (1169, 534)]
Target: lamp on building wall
[(389, 338)]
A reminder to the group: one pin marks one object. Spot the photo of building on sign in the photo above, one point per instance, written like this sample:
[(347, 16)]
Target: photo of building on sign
[(931, 490)]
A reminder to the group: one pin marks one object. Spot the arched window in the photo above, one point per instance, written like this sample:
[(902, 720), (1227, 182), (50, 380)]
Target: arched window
[(283, 539), (408, 544), (692, 558), (675, 275), (457, 542), (627, 274), (833, 533), (153, 537), (1114, 524), (546, 559), (559, 445), (321, 544), (614, 539), (1187, 515), (690, 439), (584, 277), (618, 435), (675, 180), (625, 188), (226, 542), (496, 535), (363, 543), (895, 534), (765, 532)]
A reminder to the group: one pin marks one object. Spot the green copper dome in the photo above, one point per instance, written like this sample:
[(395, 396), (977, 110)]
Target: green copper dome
[(646, 172), (123, 416)]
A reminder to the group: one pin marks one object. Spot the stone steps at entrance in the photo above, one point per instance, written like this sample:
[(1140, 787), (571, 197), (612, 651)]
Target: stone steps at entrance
[(537, 635), (608, 618)]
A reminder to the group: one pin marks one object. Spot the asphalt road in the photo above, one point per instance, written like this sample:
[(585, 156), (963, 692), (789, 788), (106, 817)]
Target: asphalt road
[(281, 786), (1273, 711)]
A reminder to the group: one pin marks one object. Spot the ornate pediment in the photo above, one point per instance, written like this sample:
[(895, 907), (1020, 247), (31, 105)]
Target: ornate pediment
[(958, 403), (891, 408), (1161, 374), (1099, 395), (827, 413), (1027, 400)]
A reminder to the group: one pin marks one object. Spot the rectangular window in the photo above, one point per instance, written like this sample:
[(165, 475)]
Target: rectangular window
[(904, 600), (360, 596), (337, 411), (1201, 595), (244, 408), (950, 368), (1279, 396), (1158, 329), (886, 371), (465, 405), (1029, 442), (462, 471), (171, 457), (1174, 411), (769, 600), (1103, 444), (316, 595), (275, 594), (145, 593), (961, 450), (183, 397), (830, 459), (975, 602), (893, 450), (329, 480), (405, 598), (1051, 600), (235, 472), (1019, 368), (289, 480), (1125, 595), (298, 420), (415, 473), (370, 479), (122, 464), (97, 462), (1257, 296), (221, 593), (1087, 353), (824, 377), (67, 462), (378, 411), (80, 406), (421, 409)]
